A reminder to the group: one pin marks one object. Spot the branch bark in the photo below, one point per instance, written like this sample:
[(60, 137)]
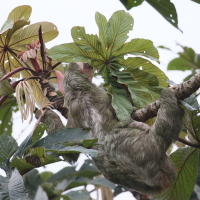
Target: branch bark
[(182, 92), (50, 93)]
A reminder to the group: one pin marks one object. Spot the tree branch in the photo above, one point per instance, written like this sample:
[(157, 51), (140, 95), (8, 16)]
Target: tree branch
[(189, 143), (50, 93), (182, 92)]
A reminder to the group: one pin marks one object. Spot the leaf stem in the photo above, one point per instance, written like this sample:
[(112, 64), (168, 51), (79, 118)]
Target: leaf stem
[(39, 119), (188, 143)]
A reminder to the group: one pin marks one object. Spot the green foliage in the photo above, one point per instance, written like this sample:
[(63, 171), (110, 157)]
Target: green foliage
[(36, 158), (58, 184), (32, 180), (8, 146), (35, 152), (187, 60), (164, 7), (131, 79), (186, 162), (31, 139), (6, 120), (13, 188), (15, 38), (134, 76), (5, 87), (7, 25)]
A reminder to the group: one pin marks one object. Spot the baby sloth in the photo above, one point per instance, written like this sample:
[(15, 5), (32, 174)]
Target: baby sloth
[(133, 154)]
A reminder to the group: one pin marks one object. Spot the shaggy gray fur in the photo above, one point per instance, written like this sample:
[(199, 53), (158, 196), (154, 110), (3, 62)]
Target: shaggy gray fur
[(133, 154)]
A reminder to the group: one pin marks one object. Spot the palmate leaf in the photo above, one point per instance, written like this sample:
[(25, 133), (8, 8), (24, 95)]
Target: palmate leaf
[(165, 7), (41, 194), (87, 170), (106, 54), (77, 195), (186, 163), (5, 87), (121, 23), (130, 3), (13, 41), (7, 25), (68, 136), (62, 150), (191, 123), (20, 12), (31, 139), (38, 157), (8, 146), (188, 60), (48, 149), (13, 188), (197, 1), (6, 121), (32, 180)]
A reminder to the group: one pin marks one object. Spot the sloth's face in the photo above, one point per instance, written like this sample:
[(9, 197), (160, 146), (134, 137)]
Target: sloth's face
[(86, 70)]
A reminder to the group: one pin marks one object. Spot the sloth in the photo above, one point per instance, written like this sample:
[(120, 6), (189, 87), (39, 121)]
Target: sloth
[(132, 154)]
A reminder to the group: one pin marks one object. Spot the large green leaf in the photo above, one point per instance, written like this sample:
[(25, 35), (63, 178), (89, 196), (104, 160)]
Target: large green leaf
[(165, 7), (105, 30), (88, 170), (121, 23), (31, 139), (46, 175), (101, 181), (14, 40), (197, 1), (8, 146), (7, 25), (41, 194), (59, 150), (71, 53), (73, 182), (20, 12), (146, 66), (188, 60), (51, 190), (5, 87), (186, 163), (120, 102), (86, 41), (106, 55), (36, 158), (180, 64), (32, 181), (191, 103), (68, 135), (138, 47), (78, 195), (13, 188), (143, 87), (130, 3), (6, 120), (192, 123)]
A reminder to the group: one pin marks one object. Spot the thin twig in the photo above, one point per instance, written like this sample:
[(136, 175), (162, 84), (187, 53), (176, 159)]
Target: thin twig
[(54, 66), (52, 77), (188, 143), (39, 119), (49, 73)]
